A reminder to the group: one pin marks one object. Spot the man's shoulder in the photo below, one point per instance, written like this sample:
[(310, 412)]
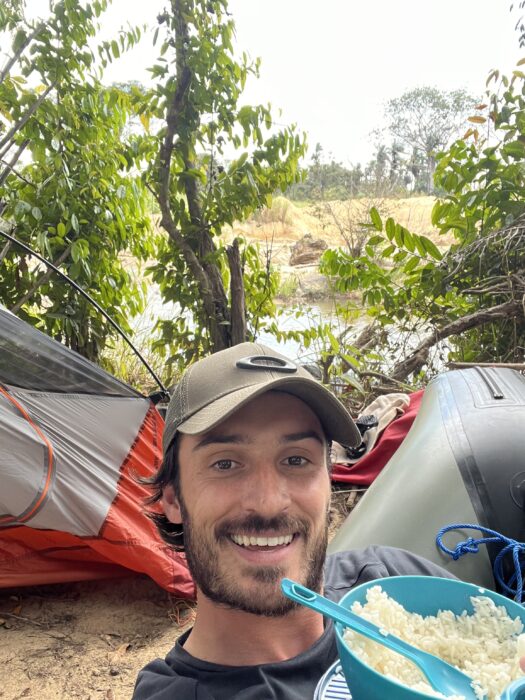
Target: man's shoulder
[(160, 681), (347, 569), (165, 679)]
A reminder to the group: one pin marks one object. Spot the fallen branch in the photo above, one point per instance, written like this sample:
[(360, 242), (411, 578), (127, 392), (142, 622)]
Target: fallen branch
[(465, 365), (415, 361)]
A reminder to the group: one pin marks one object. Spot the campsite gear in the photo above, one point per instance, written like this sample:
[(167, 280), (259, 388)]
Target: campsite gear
[(463, 461), (418, 594), (162, 394), (441, 676), (218, 385), (371, 463), (332, 685), (371, 423), (74, 440), (510, 547)]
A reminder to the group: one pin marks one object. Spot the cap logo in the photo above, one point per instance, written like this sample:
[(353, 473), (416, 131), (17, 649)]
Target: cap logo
[(276, 364)]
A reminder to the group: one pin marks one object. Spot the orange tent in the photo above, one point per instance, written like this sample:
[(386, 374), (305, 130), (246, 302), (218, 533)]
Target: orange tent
[(73, 441)]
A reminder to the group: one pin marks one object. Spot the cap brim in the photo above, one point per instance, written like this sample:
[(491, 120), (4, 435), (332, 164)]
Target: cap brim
[(335, 419)]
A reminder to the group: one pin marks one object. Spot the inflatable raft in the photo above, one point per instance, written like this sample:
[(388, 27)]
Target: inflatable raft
[(462, 462)]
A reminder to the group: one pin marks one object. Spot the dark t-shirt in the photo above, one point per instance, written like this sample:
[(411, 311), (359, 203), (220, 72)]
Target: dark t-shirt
[(183, 677)]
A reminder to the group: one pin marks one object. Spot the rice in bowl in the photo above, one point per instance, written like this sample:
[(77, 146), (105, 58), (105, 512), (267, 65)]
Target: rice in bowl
[(486, 645)]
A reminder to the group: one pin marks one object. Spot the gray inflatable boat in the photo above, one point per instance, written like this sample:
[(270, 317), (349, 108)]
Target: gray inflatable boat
[(463, 461)]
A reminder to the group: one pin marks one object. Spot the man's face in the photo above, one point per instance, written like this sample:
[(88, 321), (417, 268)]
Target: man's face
[(254, 498)]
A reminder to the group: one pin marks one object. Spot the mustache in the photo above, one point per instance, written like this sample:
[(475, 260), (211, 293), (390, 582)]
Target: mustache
[(255, 524)]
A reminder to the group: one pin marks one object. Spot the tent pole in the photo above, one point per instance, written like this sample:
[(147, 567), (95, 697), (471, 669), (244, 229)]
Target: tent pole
[(158, 396)]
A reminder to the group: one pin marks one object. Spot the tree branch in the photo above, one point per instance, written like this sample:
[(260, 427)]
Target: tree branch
[(40, 281), (10, 166), (419, 356), (23, 121), (5, 250), (511, 365), (11, 62)]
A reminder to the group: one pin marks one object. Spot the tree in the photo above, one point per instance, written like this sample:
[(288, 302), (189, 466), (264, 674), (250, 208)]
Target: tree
[(198, 96), (74, 197), (80, 195), (426, 120), (466, 303)]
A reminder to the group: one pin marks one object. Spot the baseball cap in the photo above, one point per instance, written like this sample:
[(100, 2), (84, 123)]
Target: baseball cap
[(218, 385)]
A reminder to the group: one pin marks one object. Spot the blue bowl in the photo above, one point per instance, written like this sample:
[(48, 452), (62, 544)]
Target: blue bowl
[(425, 595)]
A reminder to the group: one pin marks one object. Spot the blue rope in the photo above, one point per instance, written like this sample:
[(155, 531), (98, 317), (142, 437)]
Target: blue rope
[(514, 586)]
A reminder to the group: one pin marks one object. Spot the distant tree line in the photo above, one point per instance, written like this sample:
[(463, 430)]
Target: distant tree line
[(420, 124)]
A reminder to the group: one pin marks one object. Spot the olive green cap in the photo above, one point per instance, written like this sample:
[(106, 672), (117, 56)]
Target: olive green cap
[(218, 385)]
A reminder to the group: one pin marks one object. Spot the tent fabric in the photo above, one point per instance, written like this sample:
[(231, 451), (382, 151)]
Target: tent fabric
[(71, 505), (32, 360), (365, 470), (127, 541)]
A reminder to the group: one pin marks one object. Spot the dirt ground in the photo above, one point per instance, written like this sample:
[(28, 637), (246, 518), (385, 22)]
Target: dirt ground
[(89, 640), (84, 640)]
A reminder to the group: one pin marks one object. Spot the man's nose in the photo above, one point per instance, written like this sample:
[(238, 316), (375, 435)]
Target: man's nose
[(266, 491)]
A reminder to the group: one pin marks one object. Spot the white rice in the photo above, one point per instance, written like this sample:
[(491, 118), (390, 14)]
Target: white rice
[(485, 645)]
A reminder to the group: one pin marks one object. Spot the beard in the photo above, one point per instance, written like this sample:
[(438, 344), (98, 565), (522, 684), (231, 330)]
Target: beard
[(226, 589)]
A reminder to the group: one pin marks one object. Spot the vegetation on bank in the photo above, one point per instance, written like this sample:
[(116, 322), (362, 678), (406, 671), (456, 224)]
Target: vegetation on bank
[(85, 169)]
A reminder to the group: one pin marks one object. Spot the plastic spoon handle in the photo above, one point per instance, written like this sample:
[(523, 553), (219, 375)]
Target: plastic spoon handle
[(512, 691), (442, 676)]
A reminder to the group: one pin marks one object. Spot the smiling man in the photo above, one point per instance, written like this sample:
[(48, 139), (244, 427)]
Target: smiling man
[(245, 491)]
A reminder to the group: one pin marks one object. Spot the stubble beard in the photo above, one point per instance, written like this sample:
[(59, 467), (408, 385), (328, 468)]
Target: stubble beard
[(203, 561)]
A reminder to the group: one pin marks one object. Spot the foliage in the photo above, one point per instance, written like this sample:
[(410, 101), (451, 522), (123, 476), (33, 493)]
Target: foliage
[(326, 180), (223, 292), (465, 304), (76, 196), (426, 119), (421, 122)]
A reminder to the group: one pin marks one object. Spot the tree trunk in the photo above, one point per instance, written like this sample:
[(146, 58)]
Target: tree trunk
[(238, 309)]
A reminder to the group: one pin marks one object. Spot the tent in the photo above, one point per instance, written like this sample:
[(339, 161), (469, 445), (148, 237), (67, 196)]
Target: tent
[(73, 440)]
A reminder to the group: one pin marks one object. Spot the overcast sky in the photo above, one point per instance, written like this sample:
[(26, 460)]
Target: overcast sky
[(331, 66)]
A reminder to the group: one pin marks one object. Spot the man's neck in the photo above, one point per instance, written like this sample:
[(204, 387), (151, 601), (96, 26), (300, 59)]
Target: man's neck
[(235, 638)]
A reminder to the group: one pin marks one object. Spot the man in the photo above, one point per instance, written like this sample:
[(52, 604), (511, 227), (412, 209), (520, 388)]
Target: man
[(245, 490)]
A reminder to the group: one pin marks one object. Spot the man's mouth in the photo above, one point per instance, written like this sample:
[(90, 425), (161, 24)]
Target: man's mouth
[(257, 541)]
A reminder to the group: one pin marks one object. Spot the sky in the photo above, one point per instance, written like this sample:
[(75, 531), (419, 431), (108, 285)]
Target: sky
[(331, 66)]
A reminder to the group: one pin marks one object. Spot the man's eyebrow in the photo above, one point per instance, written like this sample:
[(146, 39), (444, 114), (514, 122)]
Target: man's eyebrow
[(303, 435), (214, 439)]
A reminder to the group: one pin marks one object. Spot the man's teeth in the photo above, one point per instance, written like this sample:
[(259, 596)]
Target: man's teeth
[(245, 541)]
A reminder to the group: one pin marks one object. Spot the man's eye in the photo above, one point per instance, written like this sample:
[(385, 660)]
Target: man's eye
[(223, 464), (296, 461)]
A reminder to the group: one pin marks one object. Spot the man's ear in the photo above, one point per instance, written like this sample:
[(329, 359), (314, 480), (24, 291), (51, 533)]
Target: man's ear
[(170, 505)]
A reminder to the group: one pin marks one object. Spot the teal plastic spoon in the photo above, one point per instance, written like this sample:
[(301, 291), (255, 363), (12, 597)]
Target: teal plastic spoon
[(442, 677), (514, 691)]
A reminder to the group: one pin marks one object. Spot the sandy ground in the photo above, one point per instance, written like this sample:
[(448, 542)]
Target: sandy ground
[(278, 229), (85, 640)]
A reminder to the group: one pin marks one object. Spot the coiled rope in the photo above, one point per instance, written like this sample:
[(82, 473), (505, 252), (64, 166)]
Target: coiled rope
[(514, 586)]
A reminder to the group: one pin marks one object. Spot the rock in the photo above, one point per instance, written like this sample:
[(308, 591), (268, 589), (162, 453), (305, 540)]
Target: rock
[(308, 250)]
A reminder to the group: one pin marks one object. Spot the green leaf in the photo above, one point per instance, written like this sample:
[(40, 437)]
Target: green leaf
[(390, 228), (410, 265), (36, 213), (61, 229), (74, 223), (430, 248), (376, 219)]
